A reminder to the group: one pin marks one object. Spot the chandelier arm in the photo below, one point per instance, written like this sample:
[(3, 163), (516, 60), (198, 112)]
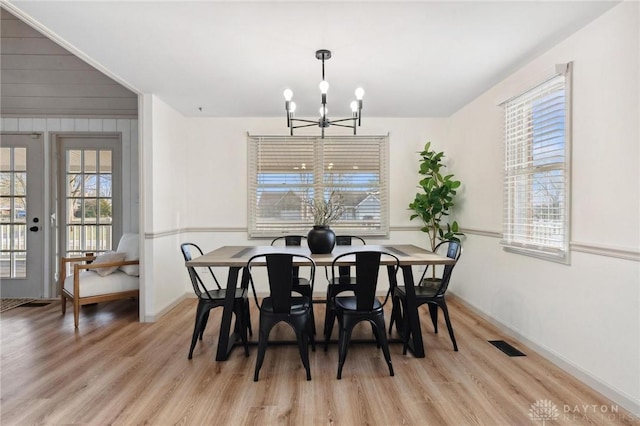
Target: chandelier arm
[(305, 125), (352, 126), (343, 119), (302, 120)]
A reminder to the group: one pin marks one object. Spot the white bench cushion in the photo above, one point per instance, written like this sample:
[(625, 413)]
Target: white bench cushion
[(92, 284)]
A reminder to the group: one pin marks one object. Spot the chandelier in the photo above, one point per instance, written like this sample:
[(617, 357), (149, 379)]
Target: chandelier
[(324, 121)]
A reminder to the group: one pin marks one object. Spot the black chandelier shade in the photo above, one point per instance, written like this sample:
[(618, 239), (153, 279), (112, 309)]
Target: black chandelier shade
[(323, 122)]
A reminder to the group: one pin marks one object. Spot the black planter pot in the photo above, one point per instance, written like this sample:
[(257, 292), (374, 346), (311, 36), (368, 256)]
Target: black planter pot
[(321, 240)]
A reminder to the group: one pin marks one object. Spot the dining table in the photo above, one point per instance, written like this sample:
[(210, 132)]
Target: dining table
[(236, 257)]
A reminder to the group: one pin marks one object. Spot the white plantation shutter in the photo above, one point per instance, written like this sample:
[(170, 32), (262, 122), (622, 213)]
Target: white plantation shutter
[(285, 171), (536, 170)]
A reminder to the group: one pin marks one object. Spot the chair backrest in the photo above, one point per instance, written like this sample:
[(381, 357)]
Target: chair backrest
[(454, 251), (280, 272), (198, 284), (347, 240), (367, 270), (289, 240)]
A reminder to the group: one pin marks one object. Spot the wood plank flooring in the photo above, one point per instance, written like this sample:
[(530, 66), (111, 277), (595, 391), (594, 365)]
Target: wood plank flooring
[(114, 370)]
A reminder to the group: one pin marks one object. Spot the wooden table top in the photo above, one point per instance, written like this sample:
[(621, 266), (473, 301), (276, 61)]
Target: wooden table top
[(237, 256)]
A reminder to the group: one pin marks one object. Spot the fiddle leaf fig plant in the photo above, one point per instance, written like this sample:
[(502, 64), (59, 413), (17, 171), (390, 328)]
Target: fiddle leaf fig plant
[(433, 204)]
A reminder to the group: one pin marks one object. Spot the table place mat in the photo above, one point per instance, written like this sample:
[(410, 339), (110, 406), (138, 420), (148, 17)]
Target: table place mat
[(396, 251), (242, 252)]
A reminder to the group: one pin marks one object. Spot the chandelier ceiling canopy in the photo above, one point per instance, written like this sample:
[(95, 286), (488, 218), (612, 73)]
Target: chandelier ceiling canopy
[(324, 121)]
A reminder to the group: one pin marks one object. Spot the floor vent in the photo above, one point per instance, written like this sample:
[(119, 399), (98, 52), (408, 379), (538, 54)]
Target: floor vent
[(506, 348), (36, 304)]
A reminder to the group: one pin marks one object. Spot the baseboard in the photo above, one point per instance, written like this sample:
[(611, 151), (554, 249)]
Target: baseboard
[(607, 391), (170, 306)]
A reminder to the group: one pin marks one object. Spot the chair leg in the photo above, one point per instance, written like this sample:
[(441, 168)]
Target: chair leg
[(263, 339), (63, 303), (204, 324), (240, 326), (200, 313), (433, 311), (327, 313), (374, 331), (445, 310), (345, 336), (247, 319), (328, 326), (396, 314), (310, 329), (379, 328), (313, 319), (76, 312), (303, 347)]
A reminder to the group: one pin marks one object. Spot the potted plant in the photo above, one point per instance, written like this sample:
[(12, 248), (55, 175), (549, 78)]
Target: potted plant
[(321, 238), (435, 201)]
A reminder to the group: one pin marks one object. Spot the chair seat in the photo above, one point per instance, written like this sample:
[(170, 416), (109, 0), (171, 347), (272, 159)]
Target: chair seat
[(221, 294), (298, 305), (421, 291), (343, 280), (350, 303)]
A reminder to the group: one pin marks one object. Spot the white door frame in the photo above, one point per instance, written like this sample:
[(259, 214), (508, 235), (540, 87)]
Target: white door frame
[(57, 190)]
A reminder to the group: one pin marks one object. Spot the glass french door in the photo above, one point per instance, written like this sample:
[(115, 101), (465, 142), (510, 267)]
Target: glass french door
[(90, 201), (21, 215)]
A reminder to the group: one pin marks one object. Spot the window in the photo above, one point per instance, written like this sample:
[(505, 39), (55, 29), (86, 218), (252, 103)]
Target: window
[(536, 169), (286, 171)]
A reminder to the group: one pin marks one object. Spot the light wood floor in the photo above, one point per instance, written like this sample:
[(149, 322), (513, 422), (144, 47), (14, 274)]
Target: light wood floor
[(115, 370)]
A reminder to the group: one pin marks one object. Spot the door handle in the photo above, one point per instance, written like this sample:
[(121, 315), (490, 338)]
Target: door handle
[(34, 229)]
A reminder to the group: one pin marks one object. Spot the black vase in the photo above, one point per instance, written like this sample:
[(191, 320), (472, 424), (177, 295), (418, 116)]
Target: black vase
[(321, 240)]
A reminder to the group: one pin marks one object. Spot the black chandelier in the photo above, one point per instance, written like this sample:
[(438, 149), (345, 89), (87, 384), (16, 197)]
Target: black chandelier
[(324, 121)]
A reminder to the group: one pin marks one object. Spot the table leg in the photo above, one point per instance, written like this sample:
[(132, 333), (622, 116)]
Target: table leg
[(225, 341), (411, 318)]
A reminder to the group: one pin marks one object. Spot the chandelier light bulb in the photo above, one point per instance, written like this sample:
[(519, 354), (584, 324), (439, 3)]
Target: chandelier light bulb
[(354, 106), (288, 94), (292, 107), (323, 111), (359, 93), (324, 87)]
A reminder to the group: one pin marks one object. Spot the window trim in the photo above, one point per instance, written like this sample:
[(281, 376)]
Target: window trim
[(560, 255), (254, 232)]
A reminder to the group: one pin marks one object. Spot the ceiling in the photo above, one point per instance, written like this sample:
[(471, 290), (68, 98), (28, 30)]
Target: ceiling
[(234, 58)]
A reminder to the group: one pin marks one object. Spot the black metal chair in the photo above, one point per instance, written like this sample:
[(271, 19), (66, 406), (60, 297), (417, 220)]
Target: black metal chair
[(363, 305), (343, 282), (280, 305), (209, 299), (431, 292), (300, 284)]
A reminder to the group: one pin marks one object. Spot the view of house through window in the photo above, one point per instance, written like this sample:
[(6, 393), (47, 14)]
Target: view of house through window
[(89, 201), (286, 172), (536, 213)]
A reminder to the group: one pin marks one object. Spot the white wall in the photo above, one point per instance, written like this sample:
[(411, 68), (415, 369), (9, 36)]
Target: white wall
[(585, 316), (164, 184)]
